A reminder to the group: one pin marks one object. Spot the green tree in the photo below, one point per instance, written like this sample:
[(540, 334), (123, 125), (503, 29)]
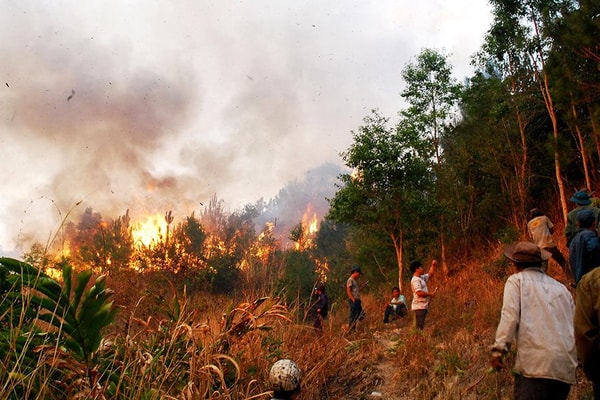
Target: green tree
[(573, 68), (298, 278), (432, 95), (519, 35), (389, 187)]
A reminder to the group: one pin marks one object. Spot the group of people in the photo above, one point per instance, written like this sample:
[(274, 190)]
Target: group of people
[(552, 332), (396, 307), (580, 233)]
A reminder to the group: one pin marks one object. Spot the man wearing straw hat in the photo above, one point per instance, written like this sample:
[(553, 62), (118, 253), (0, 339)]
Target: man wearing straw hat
[(537, 317)]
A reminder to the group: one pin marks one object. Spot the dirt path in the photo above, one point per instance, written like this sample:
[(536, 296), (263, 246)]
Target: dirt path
[(388, 389)]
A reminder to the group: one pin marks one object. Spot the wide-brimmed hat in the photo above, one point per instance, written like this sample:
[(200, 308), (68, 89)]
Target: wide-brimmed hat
[(582, 198), (526, 253)]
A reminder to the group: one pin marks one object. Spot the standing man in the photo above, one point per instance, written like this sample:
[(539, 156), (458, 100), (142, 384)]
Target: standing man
[(353, 291), (540, 230), (321, 306), (587, 327), (583, 201), (584, 250), (537, 317), (421, 295)]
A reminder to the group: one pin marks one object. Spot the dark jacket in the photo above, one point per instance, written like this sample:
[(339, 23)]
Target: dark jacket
[(584, 253)]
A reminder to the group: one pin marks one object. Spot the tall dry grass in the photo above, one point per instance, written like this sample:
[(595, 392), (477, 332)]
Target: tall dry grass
[(171, 345)]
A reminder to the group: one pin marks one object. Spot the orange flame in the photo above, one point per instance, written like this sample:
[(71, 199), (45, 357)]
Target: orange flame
[(310, 223), (149, 232), (310, 226)]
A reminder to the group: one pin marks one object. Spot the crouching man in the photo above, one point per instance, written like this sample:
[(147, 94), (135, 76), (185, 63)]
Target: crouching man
[(396, 308)]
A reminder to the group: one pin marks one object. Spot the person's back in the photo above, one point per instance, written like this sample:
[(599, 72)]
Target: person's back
[(537, 317), (584, 250), (544, 310), (539, 228)]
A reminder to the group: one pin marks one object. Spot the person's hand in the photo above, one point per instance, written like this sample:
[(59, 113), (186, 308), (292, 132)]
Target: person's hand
[(497, 363)]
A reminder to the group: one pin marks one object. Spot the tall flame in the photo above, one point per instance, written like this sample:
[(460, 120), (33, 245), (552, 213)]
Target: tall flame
[(310, 226), (310, 221), (149, 232)]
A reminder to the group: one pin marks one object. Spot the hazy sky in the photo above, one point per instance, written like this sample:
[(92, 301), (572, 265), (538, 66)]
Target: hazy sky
[(149, 105)]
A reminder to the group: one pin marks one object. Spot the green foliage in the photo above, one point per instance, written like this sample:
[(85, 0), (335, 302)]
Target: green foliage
[(432, 94), (225, 276), (299, 277), (44, 322), (391, 183)]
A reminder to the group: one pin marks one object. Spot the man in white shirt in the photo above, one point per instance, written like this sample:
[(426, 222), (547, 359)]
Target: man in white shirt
[(537, 316), (421, 294)]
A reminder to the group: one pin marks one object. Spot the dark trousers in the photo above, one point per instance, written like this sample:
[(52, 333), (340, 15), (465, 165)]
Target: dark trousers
[(394, 311), (356, 312), (420, 318), (540, 389)]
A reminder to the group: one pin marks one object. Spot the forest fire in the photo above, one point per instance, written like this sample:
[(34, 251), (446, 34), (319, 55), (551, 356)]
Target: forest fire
[(309, 226), (310, 222), (149, 232)]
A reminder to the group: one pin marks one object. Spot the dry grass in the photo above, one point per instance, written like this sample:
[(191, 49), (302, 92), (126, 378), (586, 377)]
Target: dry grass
[(448, 360), (200, 346)]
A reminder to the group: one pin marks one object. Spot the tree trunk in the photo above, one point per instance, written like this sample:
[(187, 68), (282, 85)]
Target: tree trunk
[(542, 79), (582, 150), (521, 167), (443, 251), (397, 240), (544, 88)]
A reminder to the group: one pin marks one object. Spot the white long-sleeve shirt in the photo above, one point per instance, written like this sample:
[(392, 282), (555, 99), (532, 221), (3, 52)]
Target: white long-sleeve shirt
[(537, 316)]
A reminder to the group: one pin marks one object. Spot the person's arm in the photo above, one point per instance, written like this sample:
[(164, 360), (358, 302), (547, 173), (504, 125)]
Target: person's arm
[(509, 321), (432, 268), (422, 293)]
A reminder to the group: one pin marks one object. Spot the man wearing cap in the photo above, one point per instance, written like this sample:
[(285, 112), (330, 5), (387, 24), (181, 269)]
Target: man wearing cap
[(584, 250), (537, 317), (583, 201), (353, 291)]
